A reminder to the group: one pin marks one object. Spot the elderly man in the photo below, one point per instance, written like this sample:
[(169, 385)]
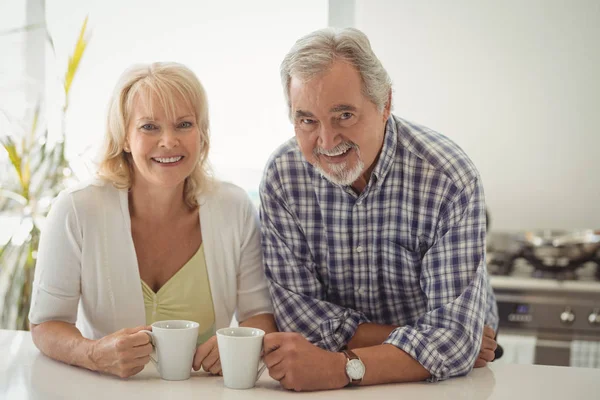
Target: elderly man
[(373, 233)]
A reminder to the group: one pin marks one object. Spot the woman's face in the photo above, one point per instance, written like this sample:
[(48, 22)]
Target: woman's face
[(165, 148)]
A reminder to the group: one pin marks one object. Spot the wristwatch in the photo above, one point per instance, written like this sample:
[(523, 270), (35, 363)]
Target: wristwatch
[(355, 369)]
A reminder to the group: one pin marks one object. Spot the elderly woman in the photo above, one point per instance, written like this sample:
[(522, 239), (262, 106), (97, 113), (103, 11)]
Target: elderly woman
[(152, 238)]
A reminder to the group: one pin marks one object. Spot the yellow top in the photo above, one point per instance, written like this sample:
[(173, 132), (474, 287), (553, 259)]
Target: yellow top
[(185, 296)]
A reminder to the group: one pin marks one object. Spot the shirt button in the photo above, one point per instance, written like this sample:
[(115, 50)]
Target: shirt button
[(359, 249), (361, 291), (359, 203)]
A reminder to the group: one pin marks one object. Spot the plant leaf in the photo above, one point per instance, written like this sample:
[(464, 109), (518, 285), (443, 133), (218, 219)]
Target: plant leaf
[(13, 155), (75, 59)]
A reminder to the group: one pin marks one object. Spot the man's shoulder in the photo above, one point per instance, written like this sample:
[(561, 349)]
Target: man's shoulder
[(286, 163), (435, 151), (285, 153)]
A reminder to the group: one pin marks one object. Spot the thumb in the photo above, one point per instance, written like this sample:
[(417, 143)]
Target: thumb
[(271, 342), (201, 352), (140, 328)]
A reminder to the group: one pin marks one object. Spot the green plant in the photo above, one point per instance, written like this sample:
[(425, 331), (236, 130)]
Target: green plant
[(38, 171)]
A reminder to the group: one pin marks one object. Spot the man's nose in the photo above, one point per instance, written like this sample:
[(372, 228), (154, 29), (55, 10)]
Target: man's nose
[(327, 137)]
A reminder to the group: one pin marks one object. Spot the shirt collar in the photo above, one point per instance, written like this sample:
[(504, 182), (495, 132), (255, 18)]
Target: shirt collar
[(388, 152)]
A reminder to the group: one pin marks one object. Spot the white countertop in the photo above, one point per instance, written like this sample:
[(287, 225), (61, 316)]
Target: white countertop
[(26, 374)]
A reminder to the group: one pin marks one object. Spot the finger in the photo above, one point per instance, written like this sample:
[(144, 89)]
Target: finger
[(126, 367), (141, 351), (129, 363), (489, 344), (211, 359), (273, 341), (216, 368), (137, 329), (273, 358), (277, 372), (479, 363), (489, 332), (287, 383), (136, 370), (139, 339), (141, 361), (487, 355), (203, 350)]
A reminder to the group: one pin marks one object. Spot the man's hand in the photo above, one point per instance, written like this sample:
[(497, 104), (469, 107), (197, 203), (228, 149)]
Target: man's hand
[(301, 366), (488, 346), (207, 356)]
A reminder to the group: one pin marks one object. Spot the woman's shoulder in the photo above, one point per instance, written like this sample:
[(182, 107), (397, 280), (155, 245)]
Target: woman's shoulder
[(94, 190), (225, 195), (86, 197)]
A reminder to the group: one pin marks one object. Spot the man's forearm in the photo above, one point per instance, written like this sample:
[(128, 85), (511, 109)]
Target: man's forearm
[(369, 334), (266, 322), (386, 363)]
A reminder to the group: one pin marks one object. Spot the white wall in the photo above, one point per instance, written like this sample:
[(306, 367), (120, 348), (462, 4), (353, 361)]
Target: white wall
[(234, 46), (516, 84)]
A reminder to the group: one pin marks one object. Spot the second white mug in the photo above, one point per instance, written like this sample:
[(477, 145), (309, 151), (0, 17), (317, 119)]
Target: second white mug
[(239, 351)]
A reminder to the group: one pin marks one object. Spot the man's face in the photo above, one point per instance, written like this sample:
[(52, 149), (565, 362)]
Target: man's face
[(339, 130)]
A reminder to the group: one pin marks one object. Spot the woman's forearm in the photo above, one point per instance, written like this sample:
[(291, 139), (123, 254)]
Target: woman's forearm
[(266, 322), (63, 342)]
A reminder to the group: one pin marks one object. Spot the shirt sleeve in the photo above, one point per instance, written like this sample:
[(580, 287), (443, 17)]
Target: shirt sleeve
[(57, 280), (447, 339), (253, 292), (298, 294), (492, 318)]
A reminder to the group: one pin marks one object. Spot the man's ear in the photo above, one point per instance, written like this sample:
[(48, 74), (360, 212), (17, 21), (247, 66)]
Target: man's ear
[(388, 107)]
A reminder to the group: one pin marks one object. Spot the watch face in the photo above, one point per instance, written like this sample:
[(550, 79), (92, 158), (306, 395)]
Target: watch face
[(355, 369)]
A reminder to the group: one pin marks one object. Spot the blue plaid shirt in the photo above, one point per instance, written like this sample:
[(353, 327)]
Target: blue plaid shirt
[(408, 251)]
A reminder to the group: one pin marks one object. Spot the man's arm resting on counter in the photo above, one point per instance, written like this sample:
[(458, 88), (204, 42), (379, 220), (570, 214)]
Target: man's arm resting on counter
[(386, 363), (266, 322), (370, 334)]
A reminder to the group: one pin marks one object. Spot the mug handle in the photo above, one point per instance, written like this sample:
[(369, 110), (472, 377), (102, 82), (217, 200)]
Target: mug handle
[(152, 342), (261, 370)]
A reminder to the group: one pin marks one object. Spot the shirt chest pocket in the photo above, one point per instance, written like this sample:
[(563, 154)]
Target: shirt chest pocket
[(399, 269)]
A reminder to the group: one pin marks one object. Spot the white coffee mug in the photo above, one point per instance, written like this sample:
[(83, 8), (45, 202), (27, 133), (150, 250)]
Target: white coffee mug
[(175, 345), (239, 351)]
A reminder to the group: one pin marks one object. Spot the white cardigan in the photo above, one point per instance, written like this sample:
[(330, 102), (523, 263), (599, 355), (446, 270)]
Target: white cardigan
[(87, 272)]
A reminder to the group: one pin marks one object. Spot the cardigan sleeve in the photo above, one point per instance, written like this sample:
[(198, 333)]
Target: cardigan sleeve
[(253, 296), (57, 281)]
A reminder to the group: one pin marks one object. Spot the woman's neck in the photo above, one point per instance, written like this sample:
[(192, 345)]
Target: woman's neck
[(157, 204)]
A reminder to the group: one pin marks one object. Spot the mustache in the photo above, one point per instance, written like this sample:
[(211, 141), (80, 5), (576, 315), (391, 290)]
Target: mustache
[(340, 148)]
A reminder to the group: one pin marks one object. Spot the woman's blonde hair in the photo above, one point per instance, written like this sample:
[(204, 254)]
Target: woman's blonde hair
[(165, 81)]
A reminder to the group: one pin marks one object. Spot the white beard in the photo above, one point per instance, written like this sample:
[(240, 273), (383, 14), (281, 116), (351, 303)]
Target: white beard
[(339, 173)]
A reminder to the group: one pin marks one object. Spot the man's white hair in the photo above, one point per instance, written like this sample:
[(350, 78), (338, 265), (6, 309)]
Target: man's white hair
[(316, 52)]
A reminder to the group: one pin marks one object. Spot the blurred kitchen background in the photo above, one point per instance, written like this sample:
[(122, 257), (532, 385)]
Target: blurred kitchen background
[(515, 83)]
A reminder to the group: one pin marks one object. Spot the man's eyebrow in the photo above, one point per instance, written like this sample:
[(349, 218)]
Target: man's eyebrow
[(302, 113), (342, 107)]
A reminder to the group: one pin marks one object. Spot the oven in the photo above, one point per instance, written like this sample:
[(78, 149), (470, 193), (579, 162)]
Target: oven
[(548, 315)]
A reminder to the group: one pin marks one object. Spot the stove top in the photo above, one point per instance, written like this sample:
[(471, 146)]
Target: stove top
[(520, 267), (507, 257)]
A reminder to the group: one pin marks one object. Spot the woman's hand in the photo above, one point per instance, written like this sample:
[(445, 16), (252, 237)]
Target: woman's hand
[(123, 353), (207, 356)]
